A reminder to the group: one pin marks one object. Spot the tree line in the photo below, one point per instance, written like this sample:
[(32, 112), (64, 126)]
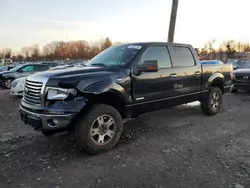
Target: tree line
[(81, 49), (58, 50), (227, 49)]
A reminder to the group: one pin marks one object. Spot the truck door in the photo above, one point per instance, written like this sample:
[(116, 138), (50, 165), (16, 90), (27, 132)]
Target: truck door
[(153, 88), (189, 72)]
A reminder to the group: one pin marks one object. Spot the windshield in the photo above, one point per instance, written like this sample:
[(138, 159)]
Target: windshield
[(115, 56)]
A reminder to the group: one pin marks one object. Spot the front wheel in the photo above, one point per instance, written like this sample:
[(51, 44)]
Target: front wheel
[(100, 129), (212, 102), (7, 83)]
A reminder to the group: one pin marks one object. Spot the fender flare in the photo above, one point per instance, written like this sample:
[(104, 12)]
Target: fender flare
[(215, 77)]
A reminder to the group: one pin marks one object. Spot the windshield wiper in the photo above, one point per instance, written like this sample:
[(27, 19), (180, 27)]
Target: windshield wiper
[(99, 64)]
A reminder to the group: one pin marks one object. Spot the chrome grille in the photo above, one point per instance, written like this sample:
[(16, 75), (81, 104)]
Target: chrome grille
[(32, 92)]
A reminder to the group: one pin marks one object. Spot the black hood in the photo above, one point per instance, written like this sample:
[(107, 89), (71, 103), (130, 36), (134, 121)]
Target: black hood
[(79, 76), (72, 72), (242, 72)]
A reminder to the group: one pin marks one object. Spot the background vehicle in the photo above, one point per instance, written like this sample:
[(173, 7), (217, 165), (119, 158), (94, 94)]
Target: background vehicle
[(4, 62), (7, 68), (6, 78), (122, 82), (17, 86), (50, 64), (241, 80)]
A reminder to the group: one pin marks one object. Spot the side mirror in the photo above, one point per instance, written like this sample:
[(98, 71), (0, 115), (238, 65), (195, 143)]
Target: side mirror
[(149, 66), (20, 70)]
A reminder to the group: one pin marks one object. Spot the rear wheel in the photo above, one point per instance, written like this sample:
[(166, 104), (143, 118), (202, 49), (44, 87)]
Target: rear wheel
[(212, 102), (100, 129), (7, 83)]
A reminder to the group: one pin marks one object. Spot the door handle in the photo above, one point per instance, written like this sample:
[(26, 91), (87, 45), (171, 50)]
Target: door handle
[(197, 73), (173, 75)]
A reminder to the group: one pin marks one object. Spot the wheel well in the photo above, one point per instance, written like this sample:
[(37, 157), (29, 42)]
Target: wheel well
[(111, 99), (218, 83)]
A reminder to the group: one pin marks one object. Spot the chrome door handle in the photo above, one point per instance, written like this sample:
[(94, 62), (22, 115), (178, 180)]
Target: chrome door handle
[(173, 76)]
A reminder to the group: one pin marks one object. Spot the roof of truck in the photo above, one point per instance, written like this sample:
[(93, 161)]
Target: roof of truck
[(156, 43)]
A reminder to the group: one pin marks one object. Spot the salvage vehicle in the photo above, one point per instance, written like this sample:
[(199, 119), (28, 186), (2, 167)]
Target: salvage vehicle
[(7, 77), (120, 83)]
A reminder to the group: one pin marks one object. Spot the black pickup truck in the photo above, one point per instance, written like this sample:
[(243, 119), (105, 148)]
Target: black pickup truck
[(118, 84)]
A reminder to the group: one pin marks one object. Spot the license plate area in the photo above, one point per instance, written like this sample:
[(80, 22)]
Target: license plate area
[(33, 121)]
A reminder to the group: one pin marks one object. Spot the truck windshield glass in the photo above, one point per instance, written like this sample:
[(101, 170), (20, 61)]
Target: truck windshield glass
[(115, 56)]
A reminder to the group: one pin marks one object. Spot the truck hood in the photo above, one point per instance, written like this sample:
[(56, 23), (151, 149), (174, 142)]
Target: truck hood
[(79, 77), (71, 72), (242, 72)]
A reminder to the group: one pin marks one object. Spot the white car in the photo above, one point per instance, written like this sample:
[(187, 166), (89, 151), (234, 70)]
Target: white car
[(17, 86)]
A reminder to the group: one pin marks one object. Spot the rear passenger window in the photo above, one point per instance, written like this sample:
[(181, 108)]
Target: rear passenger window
[(182, 57), (40, 68), (159, 53)]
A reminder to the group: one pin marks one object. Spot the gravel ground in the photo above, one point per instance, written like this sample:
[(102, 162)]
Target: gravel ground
[(177, 147)]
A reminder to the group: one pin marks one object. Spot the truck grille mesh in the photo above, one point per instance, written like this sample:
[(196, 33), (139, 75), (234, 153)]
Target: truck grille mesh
[(32, 92)]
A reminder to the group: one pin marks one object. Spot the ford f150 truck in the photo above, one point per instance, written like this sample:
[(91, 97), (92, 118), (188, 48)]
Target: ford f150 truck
[(120, 83)]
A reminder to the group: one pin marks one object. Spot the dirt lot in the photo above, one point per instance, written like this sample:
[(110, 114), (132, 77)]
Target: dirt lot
[(177, 147)]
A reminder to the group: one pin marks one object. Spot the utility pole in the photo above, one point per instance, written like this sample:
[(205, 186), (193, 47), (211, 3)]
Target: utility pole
[(172, 21)]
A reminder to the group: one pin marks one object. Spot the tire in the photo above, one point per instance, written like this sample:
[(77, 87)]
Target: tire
[(212, 102), (100, 129), (7, 82)]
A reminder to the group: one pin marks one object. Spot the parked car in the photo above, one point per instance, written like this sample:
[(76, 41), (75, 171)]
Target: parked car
[(17, 86), (120, 83), (241, 80), (7, 68), (7, 77), (61, 67), (50, 64)]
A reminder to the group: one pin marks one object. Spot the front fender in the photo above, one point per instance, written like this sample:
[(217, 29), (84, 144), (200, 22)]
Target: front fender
[(107, 86), (9, 76)]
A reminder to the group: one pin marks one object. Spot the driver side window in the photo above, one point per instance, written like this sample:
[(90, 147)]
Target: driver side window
[(28, 68), (159, 53)]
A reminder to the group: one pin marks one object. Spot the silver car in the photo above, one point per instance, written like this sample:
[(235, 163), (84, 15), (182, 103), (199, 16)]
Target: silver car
[(25, 70)]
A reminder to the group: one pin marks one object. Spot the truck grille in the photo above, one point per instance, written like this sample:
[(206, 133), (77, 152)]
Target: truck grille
[(32, 92)]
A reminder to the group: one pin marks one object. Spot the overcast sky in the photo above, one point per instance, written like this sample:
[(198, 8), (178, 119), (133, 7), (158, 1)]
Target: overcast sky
[(27, 22)]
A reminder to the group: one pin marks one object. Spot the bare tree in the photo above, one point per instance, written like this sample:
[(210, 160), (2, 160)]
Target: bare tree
[(229, 47), (26, 52), (35, 52), (7, 53), (209, 46), (106, 43)]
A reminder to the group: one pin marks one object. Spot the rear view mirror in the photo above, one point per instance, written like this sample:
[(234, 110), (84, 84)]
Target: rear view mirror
[(149, 66)]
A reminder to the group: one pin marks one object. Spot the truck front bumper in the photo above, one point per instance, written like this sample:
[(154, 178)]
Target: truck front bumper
[(242, 86), (46, 122)]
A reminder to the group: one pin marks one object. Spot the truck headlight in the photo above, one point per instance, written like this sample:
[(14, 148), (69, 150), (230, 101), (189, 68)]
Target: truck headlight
[(60, 93)]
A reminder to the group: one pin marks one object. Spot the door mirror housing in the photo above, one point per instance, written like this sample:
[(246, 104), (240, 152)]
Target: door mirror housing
[(149, 66), (20, 70)]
